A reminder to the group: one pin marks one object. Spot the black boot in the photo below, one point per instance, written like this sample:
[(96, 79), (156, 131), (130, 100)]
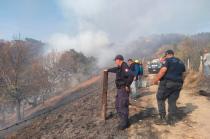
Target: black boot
[(161, 120), (172, 119), (123, 125)]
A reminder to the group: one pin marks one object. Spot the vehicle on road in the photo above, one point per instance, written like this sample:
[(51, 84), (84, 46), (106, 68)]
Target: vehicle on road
[(154, 66)]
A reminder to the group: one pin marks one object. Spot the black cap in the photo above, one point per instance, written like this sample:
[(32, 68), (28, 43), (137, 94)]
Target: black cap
[(120, 57), (169, 52), (130, 59)]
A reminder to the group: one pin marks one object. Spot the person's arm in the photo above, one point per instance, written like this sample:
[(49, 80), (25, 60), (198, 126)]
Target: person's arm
[(128, 74), (129, 77), (161, 73), (113, 70)]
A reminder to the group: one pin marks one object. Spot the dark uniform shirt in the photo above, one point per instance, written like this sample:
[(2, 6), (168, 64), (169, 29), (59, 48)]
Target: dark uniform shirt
[(175, 68), (124, 77)]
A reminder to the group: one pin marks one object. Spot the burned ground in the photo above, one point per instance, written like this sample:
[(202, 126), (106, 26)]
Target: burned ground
[(81, 118)]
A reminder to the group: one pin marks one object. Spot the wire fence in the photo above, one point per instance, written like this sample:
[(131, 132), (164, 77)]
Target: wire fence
[(66, 100)]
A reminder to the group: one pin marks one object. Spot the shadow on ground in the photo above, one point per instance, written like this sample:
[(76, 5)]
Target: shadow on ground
[(182, 112), (151, 113), (142, 115)]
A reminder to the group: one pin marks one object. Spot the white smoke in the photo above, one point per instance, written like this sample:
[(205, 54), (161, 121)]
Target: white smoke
[(90, 43), (101, 22)]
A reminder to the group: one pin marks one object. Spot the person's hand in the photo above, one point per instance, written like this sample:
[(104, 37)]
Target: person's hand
[(127, 89), (155, 82)]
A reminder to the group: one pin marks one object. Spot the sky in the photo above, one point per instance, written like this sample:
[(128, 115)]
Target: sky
[(90, 26), (118, 19), (37, 19)]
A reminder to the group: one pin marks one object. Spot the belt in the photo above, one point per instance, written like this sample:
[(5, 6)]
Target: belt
[(165, 80)]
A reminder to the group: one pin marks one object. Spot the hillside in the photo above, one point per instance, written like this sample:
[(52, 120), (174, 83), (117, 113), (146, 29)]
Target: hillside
[(80, 119), (73, 112)]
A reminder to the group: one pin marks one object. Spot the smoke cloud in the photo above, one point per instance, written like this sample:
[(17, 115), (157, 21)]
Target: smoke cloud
[(90, 43), (99, 23)]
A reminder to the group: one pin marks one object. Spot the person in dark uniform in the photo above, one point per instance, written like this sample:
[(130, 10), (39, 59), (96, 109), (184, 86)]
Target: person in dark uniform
[(124, 78), (171, 77)]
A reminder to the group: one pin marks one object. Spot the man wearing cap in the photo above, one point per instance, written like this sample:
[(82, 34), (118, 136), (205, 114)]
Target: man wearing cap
[(123, 81), (171, 81)]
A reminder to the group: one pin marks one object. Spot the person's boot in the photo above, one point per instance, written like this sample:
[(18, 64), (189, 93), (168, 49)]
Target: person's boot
[(172, 119), (161, 120), (123, 125)]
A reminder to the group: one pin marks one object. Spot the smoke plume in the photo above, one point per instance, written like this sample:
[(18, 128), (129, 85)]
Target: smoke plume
[(100, 23)]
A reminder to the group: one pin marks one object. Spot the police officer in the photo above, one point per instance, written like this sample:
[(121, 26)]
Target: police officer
[(171, 81), (123, 81)]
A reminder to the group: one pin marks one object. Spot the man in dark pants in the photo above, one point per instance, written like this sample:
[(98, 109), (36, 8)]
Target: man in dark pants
[(171, 81), (124, 78)]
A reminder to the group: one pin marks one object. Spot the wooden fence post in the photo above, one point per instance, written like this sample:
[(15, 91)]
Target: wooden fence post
[(104, 95), (201, 68), (188, 64)]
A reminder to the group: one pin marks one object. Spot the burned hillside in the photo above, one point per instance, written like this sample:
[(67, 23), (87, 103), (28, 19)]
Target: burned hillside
[(29, 76)]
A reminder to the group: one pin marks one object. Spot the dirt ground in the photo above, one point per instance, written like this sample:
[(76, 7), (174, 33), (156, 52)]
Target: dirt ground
[(80, 119), (29, 111)]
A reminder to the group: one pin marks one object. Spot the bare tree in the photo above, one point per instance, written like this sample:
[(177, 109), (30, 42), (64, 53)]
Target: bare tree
[(40, 84), (14, 61)]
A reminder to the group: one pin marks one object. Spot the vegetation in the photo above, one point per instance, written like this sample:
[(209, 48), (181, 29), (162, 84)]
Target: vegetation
[(190, 47), (28, 76)]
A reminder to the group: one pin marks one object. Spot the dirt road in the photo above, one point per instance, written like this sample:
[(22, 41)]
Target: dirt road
[(80, 119), (194, 121)]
